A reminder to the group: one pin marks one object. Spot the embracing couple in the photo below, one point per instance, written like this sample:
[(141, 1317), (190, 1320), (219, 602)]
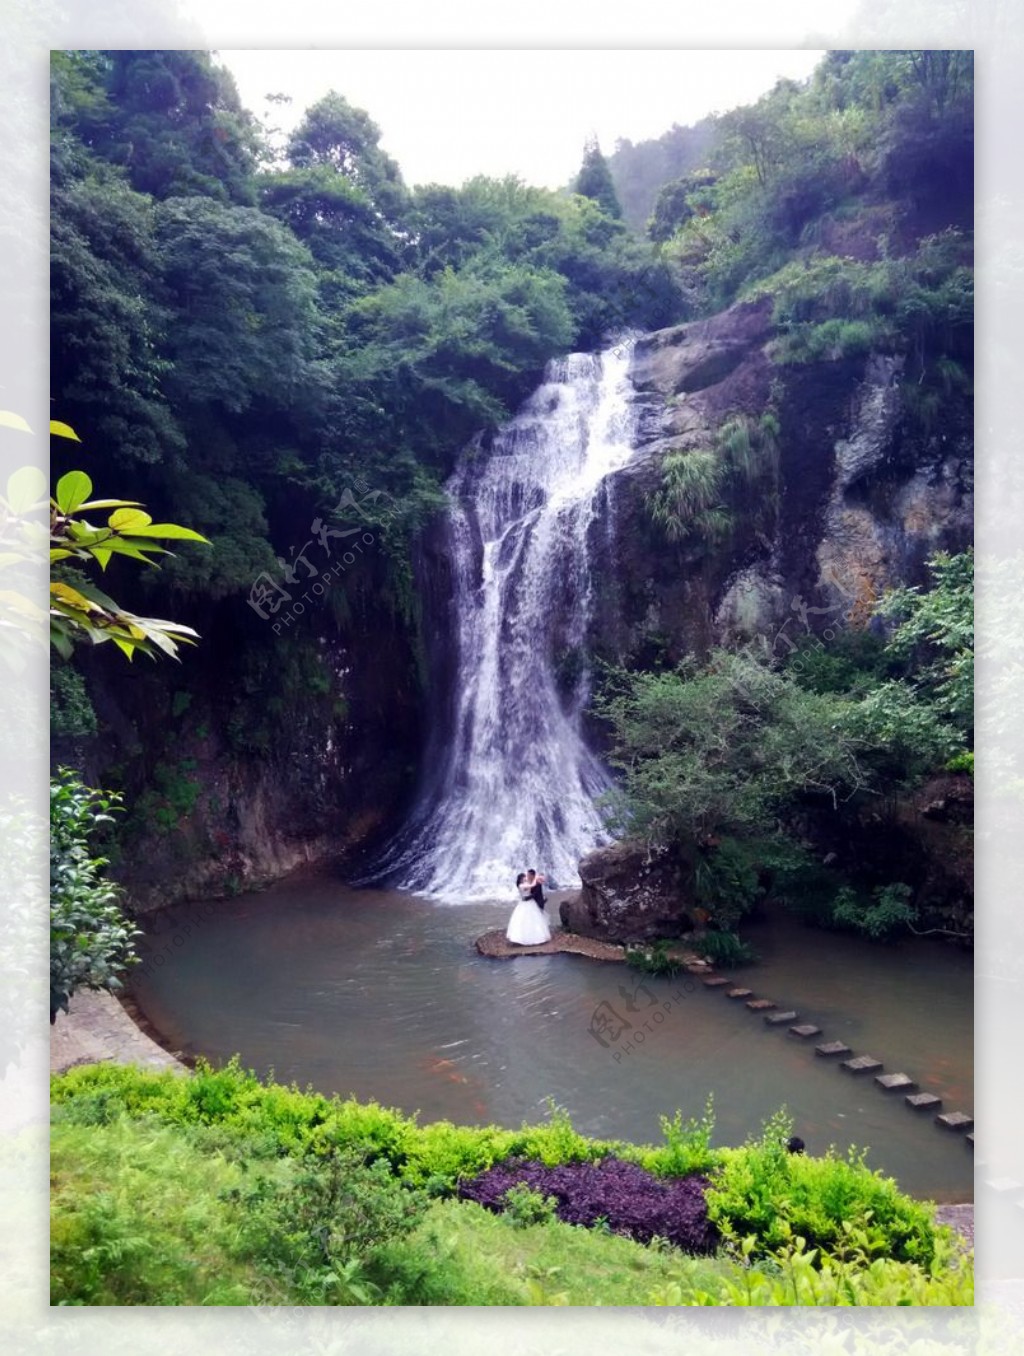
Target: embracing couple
[(528, 926)]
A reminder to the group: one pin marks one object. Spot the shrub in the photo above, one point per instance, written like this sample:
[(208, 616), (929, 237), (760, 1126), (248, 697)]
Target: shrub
[(798, 1275), (525, 1206), (318, 1228), (631, 1200), (91, 941), (727, 880), (724, 948), (890, 910), (653, 960), (762, 1190), (687, 1145)]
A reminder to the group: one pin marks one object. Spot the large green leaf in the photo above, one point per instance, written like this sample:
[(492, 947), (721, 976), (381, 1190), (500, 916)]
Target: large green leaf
[(73, 490), (129, 546), (170, 531), (129, 520), (72, 596)]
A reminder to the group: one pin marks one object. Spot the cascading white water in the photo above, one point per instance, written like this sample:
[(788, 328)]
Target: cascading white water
[(519, 785)]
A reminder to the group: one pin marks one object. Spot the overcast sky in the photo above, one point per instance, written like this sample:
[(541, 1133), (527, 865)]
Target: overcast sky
[(447, 115)]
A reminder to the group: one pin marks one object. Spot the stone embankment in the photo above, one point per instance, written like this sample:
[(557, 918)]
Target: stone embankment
[(98, 1029)]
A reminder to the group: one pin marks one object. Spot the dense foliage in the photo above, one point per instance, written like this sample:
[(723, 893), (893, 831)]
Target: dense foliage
[(718, 758), (216, 1188), (873, 152), (91, 941)]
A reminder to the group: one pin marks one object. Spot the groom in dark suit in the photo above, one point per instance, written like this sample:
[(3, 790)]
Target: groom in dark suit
[(535, 884)]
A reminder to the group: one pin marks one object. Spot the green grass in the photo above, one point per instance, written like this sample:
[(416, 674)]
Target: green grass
[(462, 1254), (139, 1217)]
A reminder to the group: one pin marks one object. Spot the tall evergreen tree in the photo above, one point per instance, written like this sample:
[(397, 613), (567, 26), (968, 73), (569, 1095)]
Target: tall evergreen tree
[(595, 180)]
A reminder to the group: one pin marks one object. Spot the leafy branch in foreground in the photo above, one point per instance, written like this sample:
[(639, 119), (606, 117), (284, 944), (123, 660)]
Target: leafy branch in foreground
[(78, 610)]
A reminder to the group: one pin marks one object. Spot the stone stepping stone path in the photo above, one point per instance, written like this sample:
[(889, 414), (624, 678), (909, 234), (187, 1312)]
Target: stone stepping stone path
[(862, 1064), (955, 1120), (894, 1082), (859, 1064)]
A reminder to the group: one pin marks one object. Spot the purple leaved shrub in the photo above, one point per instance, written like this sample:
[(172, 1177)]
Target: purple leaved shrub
[(633, 1201)]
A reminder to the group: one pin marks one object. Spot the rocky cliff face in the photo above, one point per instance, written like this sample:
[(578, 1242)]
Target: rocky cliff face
[(861, 496), (257, 755)]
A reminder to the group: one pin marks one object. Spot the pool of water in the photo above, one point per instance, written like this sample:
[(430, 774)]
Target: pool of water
[(382, 995)]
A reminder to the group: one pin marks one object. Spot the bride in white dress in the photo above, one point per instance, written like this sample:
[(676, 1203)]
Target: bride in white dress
[(527, 926)]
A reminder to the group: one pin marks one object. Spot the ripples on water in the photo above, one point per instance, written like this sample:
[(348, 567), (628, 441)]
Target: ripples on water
[(382, 995)]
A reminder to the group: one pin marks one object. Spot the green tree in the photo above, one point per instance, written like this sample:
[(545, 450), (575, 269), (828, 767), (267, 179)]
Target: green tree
[(177, 126), (680, 200), (108, 328), (461, 348), (243, 294), (594, 180), (336, 134), (725, 748)]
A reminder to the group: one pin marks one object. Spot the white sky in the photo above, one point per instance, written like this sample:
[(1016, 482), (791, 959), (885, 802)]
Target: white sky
[(447, 115)]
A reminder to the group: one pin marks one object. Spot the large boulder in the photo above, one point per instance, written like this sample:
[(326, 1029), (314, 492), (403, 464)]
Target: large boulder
[(630, 894)]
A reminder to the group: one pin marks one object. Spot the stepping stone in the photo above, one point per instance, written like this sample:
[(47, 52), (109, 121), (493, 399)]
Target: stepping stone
[(895, 1082), (805, 1030), (760, 1004), (715, 981), (862, 1064), (922, 1101), (739, 993), (955, 1120), (778, 1018), (832, 1048)]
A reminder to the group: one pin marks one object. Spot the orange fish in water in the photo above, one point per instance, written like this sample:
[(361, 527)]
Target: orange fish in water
[(446, 1069)]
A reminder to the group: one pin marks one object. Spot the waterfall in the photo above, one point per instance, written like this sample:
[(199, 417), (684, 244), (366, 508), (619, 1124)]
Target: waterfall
[(515, 785)]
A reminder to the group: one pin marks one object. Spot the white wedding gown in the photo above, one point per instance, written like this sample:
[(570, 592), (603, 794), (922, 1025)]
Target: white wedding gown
[(528, 926)]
